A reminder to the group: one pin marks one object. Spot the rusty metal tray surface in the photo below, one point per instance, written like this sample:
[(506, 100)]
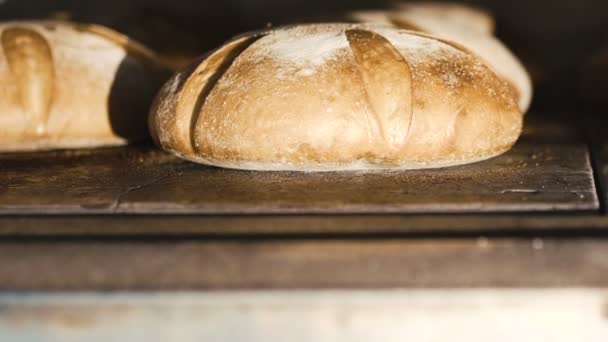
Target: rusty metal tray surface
[(545, 182), (143, 180)]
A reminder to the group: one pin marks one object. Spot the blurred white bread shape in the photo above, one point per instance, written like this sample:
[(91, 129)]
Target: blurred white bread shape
[(72, 85), (469, 26), (433, 14), (331, 97)]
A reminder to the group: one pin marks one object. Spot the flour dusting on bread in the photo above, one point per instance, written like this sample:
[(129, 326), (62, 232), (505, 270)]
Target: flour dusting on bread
[(351, 96)]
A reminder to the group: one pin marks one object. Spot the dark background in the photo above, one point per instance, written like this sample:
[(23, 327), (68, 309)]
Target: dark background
[(557, 39)]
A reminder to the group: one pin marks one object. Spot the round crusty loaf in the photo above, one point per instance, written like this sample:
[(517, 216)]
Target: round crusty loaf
[(465, 25), (336, 97), (68, 85)]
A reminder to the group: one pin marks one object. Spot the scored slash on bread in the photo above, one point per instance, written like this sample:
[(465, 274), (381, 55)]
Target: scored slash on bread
[(177, 117), (30, 61), (330, 97), (471, 27), (388, 84)]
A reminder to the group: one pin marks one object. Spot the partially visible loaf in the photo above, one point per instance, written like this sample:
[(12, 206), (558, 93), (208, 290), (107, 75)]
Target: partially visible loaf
[(69, 85), (434, 14)]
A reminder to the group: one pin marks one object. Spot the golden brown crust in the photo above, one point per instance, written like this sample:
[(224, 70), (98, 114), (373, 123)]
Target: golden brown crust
[(301, 98), (467, 26), (72, 85), (177, 106)]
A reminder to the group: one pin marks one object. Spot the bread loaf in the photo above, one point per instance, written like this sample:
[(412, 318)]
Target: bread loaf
[(471, 27), (68, 85), (434, 14), (330, 97)]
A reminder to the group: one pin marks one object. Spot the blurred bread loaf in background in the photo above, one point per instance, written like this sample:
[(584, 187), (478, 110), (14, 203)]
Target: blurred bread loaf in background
[(434, 16)]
